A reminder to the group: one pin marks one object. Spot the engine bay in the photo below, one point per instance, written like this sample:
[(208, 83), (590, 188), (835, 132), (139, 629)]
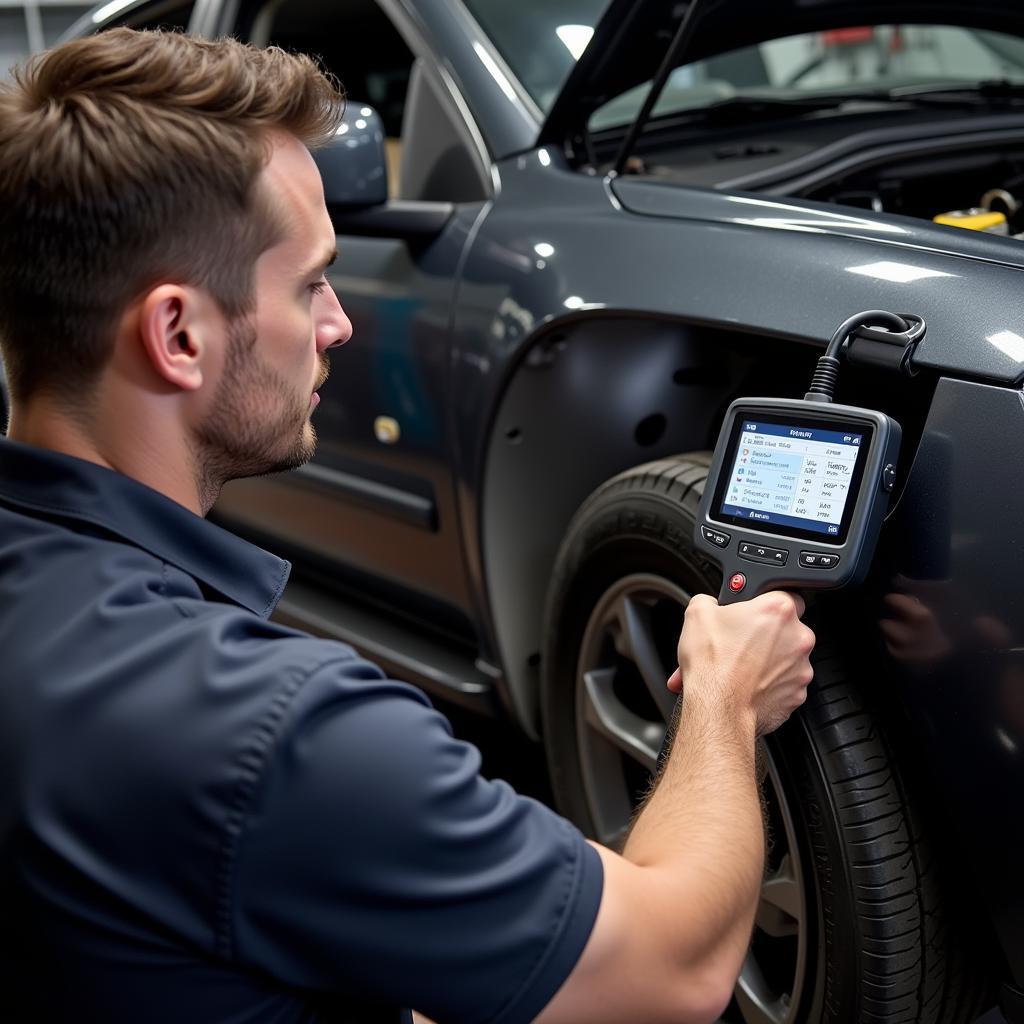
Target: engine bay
[(962, 171), (984, 191)]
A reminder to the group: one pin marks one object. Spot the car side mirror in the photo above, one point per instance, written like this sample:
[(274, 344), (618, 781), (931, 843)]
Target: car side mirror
[(353, 164)]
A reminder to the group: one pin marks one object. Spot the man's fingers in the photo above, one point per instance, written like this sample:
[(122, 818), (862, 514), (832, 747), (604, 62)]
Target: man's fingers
[(904, 606), (700, 601), (780, 597)]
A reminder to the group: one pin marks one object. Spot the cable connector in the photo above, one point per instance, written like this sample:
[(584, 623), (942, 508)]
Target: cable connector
[(895, 329), (823, 383)]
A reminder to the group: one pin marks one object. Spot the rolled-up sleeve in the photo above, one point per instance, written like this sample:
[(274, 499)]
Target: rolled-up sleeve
[(372, 858)]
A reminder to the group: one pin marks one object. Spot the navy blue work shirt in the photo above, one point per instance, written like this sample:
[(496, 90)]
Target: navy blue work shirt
[(208, 817)]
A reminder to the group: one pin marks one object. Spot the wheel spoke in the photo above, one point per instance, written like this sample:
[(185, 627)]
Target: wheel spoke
[(757, 1002), (779, 912), (635, 640), (605, 713)]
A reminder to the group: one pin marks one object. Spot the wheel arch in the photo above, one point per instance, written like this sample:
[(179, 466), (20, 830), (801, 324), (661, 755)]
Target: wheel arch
[(590, 396)]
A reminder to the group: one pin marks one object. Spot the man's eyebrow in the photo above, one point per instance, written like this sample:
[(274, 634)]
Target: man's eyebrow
[(321, 264)]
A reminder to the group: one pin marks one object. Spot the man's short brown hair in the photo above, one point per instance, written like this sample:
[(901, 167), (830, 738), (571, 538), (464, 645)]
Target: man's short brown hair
[(128, 159)]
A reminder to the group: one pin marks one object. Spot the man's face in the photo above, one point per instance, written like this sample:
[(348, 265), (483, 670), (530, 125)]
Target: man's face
[(274, 360)]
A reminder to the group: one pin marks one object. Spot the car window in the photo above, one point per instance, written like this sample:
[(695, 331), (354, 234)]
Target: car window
[(540, 40), (356, 41), (29, 27), (170, 14), (429, 148), (166, 14), (857, 58)]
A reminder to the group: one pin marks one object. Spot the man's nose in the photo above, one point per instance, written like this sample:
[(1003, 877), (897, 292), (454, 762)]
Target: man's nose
[(333, 326)]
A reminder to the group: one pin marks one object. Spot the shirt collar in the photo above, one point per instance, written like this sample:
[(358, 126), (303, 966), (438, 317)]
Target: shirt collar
[(44, 481)]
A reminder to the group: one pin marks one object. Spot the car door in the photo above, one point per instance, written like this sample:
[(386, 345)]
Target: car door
[(375, 510)]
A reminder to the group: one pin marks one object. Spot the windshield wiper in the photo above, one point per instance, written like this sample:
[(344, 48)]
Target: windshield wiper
[(983, 93), (746, 108)]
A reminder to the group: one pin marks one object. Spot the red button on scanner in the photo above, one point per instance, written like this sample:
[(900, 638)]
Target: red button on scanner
[(737, 582)]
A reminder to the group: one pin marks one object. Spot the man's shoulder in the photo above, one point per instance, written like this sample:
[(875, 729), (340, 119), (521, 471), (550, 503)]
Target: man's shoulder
[(167, 703), (109, 608), (108, 594)]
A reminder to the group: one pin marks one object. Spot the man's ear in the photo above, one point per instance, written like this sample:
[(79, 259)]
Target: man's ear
[(174, 328)]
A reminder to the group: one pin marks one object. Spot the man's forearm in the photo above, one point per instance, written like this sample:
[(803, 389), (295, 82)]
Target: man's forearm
[(703, 827)]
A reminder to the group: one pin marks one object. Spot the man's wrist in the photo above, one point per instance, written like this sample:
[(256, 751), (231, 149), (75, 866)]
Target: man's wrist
[(707, 713), (714, 707)]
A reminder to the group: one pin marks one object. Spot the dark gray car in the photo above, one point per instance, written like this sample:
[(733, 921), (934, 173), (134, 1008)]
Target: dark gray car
[(559, 278)]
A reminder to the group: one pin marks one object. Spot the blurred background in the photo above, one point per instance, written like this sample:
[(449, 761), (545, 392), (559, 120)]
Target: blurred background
[(27, 27)]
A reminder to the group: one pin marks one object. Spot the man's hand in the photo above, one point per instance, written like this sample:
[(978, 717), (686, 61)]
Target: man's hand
[(912, 631), (747, 657)]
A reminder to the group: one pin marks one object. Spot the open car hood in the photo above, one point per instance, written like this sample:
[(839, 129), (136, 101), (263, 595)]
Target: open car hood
[(633, 36)]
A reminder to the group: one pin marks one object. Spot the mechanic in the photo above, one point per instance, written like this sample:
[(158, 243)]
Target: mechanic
[(209, 817)]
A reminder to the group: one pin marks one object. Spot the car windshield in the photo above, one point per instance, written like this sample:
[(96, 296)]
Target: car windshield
[(542, 39)]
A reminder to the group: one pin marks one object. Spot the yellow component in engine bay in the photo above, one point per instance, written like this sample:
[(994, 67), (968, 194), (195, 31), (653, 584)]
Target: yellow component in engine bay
[(975, 220)]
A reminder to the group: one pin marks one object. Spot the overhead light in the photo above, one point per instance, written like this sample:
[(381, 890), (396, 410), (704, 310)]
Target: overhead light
[(900, 273), (1008, 343), (573, 302), (544, 250), (544, 157), (575, 38)]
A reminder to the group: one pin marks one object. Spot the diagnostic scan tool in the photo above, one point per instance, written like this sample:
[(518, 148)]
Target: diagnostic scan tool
[(798, 488), (796, 495)]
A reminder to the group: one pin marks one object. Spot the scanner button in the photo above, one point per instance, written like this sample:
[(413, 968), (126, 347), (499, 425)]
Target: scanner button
[(760, 553), (818, 560), (715, 536), (737, 581)]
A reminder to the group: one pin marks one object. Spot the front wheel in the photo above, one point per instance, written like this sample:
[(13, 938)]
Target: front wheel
[(849, 929)]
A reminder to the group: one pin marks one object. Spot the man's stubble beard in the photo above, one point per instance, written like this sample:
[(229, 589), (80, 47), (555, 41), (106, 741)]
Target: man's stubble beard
[(258, 423)]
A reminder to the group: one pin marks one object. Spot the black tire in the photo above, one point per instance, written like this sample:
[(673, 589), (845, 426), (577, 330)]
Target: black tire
[(871, 943)]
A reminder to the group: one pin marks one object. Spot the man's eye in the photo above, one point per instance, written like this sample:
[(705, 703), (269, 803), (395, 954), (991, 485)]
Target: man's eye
[(317, 287)]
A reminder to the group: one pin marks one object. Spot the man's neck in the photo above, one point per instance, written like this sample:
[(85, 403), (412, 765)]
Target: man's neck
[(119, 447)]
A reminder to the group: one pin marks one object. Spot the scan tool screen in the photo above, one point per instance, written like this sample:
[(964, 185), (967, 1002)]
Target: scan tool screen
[(792, 478)]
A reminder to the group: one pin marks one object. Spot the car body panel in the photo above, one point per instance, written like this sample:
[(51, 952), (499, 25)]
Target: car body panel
[(892, 262), (966, 683), (684, 271)]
